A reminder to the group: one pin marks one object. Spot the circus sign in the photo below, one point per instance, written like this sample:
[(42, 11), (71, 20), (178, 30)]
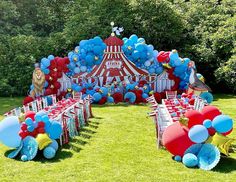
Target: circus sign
[(113, 64)]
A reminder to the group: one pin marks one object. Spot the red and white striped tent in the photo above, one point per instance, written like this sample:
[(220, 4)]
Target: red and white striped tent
[(115, 65)]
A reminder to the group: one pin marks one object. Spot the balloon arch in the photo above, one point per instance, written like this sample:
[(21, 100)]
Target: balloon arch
[(108, 70)]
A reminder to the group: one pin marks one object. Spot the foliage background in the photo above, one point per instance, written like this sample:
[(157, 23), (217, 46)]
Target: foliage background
[(204, 31)]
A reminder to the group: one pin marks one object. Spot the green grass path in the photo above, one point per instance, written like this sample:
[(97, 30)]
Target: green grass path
[(118, 145)]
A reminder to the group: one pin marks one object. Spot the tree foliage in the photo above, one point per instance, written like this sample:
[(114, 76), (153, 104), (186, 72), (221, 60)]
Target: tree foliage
[(205, 31)]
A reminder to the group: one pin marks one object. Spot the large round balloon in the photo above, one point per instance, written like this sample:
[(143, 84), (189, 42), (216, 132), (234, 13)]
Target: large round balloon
[(195, 117), (222, 123), (175, 139), (9, 129), (210, 112), (30, 114), (198, 134), (97, 97)]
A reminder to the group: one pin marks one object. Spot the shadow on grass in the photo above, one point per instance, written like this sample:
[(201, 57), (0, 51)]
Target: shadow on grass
[(76, 144), (226, 165)]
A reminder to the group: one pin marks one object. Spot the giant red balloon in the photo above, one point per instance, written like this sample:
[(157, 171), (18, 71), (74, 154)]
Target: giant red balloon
[(157, 97), (195, 117), (118, 97), (210, 112), (175, 139)]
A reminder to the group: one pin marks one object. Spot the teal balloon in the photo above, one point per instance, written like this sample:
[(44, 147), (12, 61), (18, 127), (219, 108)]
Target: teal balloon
[(49, 152), (207, 96), (54, 145), (110, 99), (207, 123), (222, 123), (9, 129), (55, 130), (190, 160), (178, 158)]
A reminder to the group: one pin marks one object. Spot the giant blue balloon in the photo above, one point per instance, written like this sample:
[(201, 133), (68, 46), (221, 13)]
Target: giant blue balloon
[(9, 129)]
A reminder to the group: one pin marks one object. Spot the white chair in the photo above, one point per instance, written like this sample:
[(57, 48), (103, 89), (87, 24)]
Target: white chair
[(171, 94)]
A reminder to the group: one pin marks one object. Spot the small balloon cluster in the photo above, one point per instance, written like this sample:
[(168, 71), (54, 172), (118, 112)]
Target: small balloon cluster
[(86, 55), (200, 141), (180, 65), (141, 54), (56, 68), (30, 133)]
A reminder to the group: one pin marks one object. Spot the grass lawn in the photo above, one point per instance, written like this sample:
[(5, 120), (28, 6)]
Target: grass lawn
[(118, 145)]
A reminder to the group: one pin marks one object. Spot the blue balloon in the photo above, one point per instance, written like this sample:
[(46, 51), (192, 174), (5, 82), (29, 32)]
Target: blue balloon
[(222, 123), (54, 145), (141, 40), (207, 96), (130, 97), (45, 84), (77, 70), (144, 95), (45, 62), (55, 130), (97, 97), (151, 70), (104, 91), (49, 152), (207, 123), (198, 134), (51, 57), (133, 38), (9, 129), (190, 160), (110, 99), (135, 55), (83, 68), (174, 55), (97, 50), (178, 158), (30, 128), (140, 47), (29, 121)]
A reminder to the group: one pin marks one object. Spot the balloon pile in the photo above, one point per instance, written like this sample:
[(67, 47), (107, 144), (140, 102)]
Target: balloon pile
[(86, 55), (141, 54), (35, 133), (133, 93), (180, 66), (201, 140)]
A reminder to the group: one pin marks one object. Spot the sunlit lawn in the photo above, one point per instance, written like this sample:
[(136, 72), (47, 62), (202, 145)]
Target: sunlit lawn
[(118, 145)]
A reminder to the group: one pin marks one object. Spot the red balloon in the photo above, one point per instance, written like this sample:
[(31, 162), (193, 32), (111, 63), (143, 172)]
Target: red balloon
[(195, 117), (59, 74), (23, 127), (27, 100), (157, 97), (175, 139), (211, 131), (118, 97), (163, 57), (57, 85), (48, 91), (210, 112), (191, 101), (30, 114), (102, 101)]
